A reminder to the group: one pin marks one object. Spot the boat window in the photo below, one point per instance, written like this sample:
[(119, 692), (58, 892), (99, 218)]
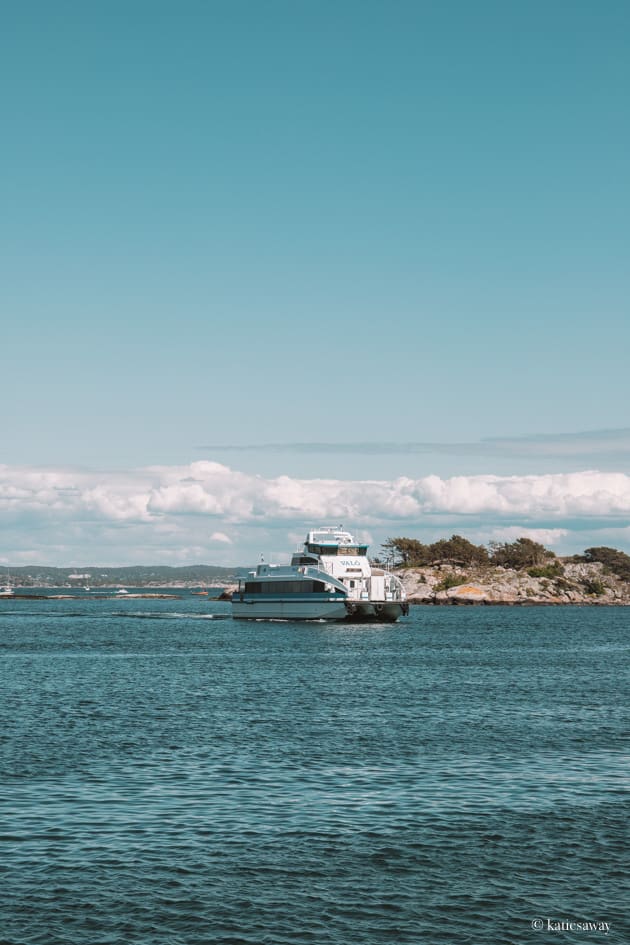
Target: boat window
[(284, 587), (322, 549), (337, 549)]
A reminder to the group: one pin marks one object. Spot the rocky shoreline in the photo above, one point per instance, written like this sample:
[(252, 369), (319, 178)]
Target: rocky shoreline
[(588, 584)]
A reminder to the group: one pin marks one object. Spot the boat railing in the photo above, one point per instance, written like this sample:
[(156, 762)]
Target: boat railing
[(316, 573), (394, 589)]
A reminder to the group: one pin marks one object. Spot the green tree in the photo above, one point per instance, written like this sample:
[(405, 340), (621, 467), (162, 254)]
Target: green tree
[(519, 554), (593, 586), (457, 551), (616, 561), (451, 580), (553, 570), (405, 552)]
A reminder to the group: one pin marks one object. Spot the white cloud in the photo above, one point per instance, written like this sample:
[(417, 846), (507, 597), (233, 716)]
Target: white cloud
[(546, 536), (176, 510)]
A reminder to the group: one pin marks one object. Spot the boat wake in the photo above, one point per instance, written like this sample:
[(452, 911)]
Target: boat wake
[(115, 615), (170, 616)]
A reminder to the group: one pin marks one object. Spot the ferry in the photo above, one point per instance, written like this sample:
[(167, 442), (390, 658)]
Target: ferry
[(330, 578)]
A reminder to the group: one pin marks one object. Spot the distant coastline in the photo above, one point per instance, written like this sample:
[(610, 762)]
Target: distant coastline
[(104, 578), (20, 592)]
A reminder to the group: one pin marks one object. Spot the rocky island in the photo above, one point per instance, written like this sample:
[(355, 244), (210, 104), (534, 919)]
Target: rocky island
[(455, 571), (574, 583)]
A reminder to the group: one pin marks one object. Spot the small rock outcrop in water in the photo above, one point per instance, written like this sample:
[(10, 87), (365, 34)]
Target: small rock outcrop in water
[(577, 583)]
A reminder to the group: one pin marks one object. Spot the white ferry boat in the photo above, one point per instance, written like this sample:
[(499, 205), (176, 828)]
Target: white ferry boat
[(329, 579)]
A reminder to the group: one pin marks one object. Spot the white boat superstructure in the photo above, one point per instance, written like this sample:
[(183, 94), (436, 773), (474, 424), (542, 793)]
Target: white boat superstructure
[(331, 578)]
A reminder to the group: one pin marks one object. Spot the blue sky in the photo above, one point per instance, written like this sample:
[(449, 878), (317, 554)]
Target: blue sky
[(397, 230)]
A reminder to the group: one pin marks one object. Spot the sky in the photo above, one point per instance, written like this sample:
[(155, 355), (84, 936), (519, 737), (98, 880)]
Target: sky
[(268, 265)]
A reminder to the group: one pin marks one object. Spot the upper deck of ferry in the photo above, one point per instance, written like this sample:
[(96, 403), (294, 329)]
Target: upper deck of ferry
[(333, 541)]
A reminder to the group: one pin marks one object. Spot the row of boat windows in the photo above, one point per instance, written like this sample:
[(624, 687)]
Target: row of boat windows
[(284, 587), (337, 549)]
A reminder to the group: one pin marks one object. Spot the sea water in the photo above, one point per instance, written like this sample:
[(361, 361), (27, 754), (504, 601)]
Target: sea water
[(172, 777)]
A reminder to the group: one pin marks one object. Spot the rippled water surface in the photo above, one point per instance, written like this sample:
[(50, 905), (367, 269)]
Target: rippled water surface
[(172, 777)]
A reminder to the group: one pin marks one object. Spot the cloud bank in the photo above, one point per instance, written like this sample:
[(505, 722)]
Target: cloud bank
[(208, 510)]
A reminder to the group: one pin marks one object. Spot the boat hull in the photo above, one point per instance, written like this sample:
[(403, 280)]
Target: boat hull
[(288, 609), (353, 611), (376, 611)]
